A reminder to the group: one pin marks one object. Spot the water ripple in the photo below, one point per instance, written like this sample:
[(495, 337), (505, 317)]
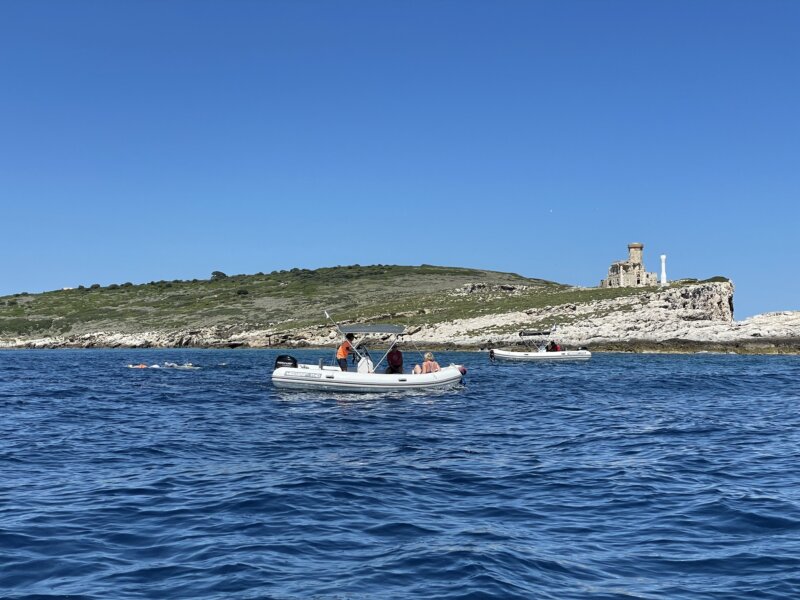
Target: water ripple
[(628, 477)]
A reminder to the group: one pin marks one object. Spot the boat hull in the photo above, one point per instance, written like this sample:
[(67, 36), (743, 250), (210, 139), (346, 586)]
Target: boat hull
[(332, 379), (543, 356)]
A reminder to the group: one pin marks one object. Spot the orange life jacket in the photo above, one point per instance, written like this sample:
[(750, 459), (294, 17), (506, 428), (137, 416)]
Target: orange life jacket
[(343, 349)]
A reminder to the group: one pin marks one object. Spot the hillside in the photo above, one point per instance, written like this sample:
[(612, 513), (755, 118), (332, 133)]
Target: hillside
[(286, 300), (448, 306)]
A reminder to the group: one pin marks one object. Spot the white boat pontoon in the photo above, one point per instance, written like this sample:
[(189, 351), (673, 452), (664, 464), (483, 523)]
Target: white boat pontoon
[(368, 376), (540, 346)]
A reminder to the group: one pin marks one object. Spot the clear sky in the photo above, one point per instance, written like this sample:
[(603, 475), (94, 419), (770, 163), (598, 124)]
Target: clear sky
[(149, 140)]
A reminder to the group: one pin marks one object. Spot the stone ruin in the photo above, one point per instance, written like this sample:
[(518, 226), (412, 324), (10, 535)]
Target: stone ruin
[(631, 272)]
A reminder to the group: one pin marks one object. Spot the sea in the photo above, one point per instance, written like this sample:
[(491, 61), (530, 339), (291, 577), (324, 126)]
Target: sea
[(630, 476)]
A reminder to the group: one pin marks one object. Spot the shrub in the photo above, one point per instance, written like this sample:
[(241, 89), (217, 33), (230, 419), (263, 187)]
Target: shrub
[(94, 286), (127, 284), (242, 292), (23, 326), (113, 286), (218, 275)]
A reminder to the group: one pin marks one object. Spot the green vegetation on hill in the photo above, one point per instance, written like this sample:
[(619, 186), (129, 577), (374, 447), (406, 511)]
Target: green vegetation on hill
[(284, 300)]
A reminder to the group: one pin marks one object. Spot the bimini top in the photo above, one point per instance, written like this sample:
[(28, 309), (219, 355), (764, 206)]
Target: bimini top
[(526, 333), (395, 329)]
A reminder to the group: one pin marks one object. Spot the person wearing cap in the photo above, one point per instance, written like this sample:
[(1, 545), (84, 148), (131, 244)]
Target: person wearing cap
[(344, 350), (395, 361)]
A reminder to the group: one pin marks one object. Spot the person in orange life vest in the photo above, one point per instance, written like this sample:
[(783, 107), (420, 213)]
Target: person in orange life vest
[(395, 360), (344, 350)]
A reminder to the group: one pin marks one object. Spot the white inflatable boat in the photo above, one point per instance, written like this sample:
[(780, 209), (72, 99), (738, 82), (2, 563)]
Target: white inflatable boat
[(368, 376), (540, 355), (540, 346), (332, 379)]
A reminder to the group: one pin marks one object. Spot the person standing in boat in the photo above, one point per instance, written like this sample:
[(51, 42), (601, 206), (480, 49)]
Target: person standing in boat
[(395, 361), (344, 350)]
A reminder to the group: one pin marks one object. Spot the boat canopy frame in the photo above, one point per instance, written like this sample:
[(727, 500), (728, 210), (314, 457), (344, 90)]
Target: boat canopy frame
[(397, 331), (539, 338), (363, 328)]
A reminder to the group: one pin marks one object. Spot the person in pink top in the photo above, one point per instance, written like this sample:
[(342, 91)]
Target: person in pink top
[(428, 366)]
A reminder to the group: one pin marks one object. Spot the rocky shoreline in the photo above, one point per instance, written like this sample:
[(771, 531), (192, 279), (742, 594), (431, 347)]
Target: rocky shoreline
[(692, 318)]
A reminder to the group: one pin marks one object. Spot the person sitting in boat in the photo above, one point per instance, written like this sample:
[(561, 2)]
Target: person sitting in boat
[(553, 347), (429, 365), (345, 349), (395, 361)]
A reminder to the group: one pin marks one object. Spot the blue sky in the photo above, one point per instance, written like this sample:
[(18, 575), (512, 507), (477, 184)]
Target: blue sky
[(157, 140)]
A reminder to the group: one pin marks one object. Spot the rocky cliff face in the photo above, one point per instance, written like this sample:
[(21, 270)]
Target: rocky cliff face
[(700, 314)]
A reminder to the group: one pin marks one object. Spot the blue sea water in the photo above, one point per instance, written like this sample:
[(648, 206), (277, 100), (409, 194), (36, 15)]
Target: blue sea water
[(631, 476)]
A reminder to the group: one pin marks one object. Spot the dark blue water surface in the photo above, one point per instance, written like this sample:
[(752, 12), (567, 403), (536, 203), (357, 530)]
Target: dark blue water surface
[(631, 476)]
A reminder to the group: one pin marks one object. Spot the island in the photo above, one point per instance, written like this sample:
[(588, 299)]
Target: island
[(449, 307)]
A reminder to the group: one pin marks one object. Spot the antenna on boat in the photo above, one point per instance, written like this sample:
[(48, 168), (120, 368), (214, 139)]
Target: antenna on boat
[(334, 322), (342, 332)]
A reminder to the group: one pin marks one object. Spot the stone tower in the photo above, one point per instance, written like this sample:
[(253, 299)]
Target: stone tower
[(635, 253), (631, 272)]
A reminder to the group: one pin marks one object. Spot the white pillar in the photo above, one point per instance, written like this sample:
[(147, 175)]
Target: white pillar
[(663, 269)]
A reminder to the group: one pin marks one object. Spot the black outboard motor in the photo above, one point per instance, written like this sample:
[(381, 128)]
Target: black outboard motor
[(284, 360)]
